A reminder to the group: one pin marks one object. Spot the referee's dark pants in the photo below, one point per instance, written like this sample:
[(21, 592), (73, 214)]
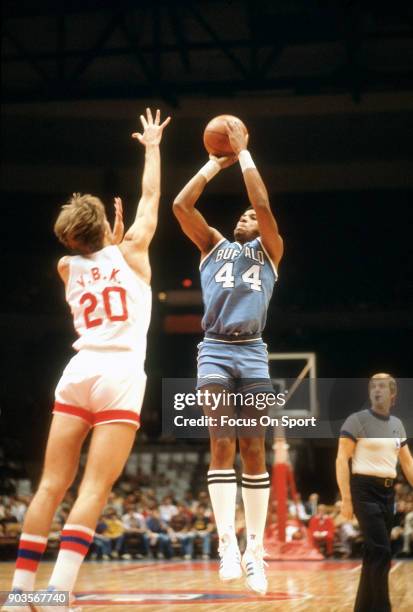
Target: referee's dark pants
[(373, 505)]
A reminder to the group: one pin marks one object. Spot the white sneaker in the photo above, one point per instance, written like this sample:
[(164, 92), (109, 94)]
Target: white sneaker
[(230, 559), (254, 565)]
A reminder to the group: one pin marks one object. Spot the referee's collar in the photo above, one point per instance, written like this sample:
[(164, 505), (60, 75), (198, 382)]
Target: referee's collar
[(379, 416)]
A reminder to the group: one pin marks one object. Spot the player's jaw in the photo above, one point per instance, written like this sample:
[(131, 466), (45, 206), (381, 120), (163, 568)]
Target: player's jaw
[(247, 227)]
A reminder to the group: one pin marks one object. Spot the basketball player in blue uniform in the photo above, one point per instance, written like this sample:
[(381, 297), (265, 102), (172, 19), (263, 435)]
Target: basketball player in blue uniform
[(237, 279)]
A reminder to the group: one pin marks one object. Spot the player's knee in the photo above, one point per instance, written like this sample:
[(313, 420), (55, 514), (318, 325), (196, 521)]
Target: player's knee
[(223, 449), (252, 449), (54, 488)]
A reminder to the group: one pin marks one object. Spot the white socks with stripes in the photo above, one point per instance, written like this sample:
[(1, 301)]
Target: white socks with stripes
[(255, 495), (74, 544), (222, 486), (31, 549)]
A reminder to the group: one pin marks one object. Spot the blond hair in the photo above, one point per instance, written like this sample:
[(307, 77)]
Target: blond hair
[(385, 376), (81, 223)]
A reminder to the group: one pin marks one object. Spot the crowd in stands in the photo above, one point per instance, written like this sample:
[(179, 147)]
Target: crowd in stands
[(335, 536), (140, 523), (134, 524)]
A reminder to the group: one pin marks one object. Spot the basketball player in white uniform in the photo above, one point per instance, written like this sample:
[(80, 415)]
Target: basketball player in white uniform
[(102, 387)]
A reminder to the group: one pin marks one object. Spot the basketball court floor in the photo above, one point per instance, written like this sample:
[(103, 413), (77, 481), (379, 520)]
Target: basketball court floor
[(186, 586)]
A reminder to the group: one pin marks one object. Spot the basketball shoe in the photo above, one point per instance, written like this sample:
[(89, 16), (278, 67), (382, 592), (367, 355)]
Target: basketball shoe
[(230, 559), (254, 565)]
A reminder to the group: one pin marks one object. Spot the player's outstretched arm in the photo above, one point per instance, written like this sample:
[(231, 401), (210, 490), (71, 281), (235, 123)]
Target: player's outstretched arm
[(346, 448), (143, 228), (257, 193), (192, 222)]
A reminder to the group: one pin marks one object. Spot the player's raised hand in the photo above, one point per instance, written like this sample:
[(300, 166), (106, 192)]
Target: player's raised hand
[(237, 136), (152, 128), (224, 162), (118, 226)]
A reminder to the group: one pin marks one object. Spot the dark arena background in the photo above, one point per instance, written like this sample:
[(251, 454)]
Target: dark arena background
[(326, 91)]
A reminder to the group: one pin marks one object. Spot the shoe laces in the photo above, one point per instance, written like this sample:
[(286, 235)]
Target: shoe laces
[(259, 554), (225, 546)]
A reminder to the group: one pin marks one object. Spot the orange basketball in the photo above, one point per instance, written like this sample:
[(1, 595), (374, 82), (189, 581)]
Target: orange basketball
[(216, 139)]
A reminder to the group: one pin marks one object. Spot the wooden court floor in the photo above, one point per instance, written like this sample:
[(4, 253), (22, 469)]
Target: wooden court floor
[(193, 586)]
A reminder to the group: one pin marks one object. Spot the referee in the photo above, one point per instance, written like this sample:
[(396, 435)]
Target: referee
[(373, 440)]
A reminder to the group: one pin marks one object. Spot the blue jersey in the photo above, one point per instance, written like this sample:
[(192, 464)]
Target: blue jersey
[(237, 283)]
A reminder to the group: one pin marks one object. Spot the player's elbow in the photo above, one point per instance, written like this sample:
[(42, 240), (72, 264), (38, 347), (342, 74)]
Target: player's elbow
[(179, 208)]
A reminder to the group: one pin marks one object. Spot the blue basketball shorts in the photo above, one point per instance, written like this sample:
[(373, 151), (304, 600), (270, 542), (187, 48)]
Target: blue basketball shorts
[(239, 367)]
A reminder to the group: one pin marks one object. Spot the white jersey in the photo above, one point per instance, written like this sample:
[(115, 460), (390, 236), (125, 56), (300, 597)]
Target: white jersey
[(111, 306)]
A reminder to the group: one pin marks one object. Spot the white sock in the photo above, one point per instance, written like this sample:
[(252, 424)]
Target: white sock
[(74, 544), (31, 549), (222, 487), (255, 495)]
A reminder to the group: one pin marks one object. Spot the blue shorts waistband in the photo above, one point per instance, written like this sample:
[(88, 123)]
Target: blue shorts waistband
[(233, 338)]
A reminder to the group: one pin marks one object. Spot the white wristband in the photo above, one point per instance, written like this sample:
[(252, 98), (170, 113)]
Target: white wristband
[(209, 170), (245, 160)]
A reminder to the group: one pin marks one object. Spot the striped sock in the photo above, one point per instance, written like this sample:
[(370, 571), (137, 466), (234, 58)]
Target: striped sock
[(74, 544), (222, 486), (255, 495), (31, 549)]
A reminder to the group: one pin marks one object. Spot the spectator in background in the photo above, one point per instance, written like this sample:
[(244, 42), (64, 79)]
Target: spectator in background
[(135, 533), (297, 509), (189, 500), (179, 531), (312, 504), (10, 524), (348, 531), (203, 499), (202, 527), (114, 531), (149, 499), (182, 507), (158, 534), (408, 531), (397, 531), (321, 530), (116, 502), (18, 507), (293, 529), (167, 509), (101, 545)]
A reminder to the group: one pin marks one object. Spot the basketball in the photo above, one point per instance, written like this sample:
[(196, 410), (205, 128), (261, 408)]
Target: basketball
[(216, 139)]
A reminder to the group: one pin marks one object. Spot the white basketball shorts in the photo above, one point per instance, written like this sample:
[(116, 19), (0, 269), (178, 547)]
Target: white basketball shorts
[(102, 387)]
